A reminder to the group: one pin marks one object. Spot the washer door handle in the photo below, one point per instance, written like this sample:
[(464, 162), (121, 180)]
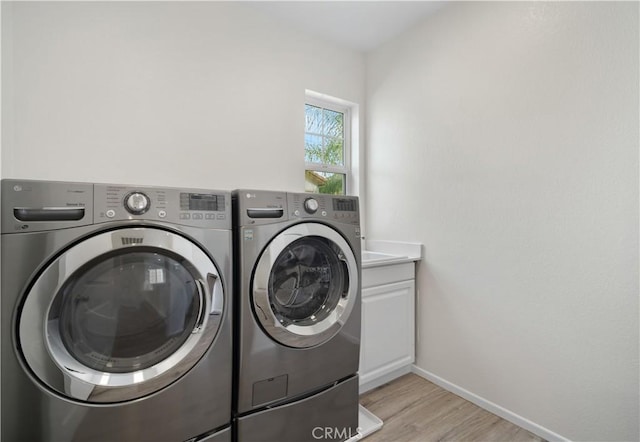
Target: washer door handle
[(204, 306), (345, 266), (217, 297)]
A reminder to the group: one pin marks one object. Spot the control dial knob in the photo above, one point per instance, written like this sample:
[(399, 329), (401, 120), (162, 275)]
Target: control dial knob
[(136, 203), (311, 205)]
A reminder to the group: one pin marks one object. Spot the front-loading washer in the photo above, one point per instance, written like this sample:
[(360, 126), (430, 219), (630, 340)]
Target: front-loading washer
[(116, 313), (297, 316)]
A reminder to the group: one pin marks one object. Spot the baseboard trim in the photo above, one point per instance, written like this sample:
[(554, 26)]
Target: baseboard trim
[(490, 406), (383, 379)]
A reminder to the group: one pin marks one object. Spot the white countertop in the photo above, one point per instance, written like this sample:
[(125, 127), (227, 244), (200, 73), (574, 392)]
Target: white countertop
[(380, 253), (374, 259)]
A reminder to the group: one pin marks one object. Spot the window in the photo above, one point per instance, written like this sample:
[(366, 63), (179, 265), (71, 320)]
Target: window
[(327, 147)]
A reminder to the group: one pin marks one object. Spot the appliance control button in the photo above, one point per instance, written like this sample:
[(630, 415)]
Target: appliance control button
[(162, 214), (136, 203), (311, 205), (110, 213), (296, 212), (324, 213)]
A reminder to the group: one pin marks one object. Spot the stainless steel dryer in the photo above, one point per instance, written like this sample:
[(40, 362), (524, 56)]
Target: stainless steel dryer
[(298, 316), (116, 313)]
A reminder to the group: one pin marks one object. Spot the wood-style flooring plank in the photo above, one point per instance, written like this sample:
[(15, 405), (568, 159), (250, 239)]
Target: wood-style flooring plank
[(416, 410)]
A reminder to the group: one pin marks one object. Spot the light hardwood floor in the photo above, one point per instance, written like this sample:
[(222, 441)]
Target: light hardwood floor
[(414, 409)]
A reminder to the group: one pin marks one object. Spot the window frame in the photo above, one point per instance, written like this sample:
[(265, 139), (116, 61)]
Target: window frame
[(345, 169)]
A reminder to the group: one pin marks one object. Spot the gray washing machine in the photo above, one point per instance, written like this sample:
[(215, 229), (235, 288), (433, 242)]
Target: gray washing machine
[(116, 313), (297, 316)]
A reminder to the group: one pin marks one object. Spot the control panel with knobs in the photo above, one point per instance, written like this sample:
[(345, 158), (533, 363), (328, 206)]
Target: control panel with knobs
[(136, 203)]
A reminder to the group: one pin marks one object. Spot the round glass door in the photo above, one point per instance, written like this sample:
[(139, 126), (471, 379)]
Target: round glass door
[(307, 281), (126, 313), (305, 285)]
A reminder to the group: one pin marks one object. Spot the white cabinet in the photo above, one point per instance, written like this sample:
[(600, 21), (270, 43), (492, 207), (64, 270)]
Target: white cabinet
[(388, 323)]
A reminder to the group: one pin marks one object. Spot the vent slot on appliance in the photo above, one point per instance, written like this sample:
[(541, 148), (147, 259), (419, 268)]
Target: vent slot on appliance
[(127, 241)]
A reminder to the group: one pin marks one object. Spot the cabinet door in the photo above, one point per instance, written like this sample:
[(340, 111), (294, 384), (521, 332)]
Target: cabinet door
[(387, 341)]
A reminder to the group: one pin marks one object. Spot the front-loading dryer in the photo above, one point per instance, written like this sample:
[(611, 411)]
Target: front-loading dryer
[(297, 315), (116, 313)]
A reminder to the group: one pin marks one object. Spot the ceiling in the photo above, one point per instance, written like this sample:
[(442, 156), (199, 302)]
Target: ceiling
[(359, 25)]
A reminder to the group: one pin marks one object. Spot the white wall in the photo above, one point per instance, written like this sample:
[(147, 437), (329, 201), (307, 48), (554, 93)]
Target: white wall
[(203, 94), (2, 119), (506, 134), (5, 49)]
